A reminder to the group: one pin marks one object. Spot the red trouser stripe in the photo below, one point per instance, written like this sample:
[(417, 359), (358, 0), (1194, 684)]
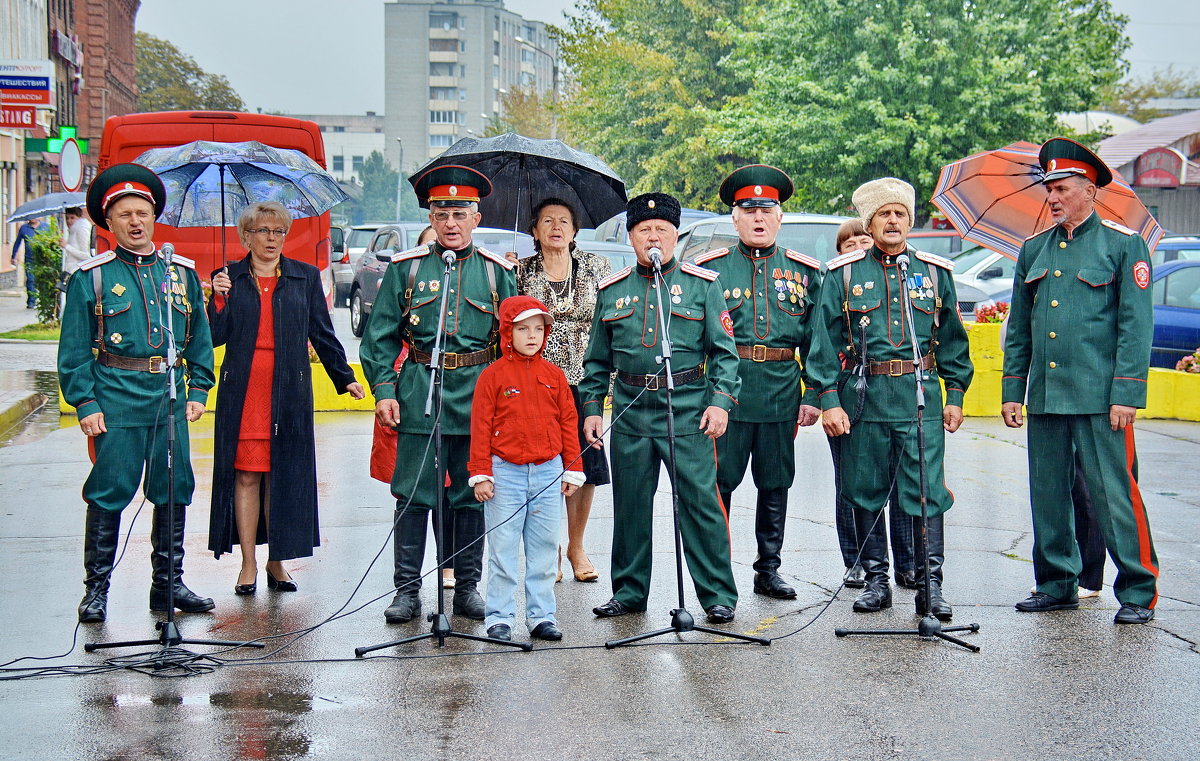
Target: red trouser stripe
[(1139, 511)]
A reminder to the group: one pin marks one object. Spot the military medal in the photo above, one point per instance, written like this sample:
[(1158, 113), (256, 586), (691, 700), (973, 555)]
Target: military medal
[(676, 290), (118, 289), (857, 290), (868, 285), (726, 293), (415, 319), (737, 293), (435, 286), (115, 337), (421, 286), (676, 299), (912, 293), (794, 299)]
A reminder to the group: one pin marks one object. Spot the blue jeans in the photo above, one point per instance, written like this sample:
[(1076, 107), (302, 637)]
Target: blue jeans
[(538, 524)]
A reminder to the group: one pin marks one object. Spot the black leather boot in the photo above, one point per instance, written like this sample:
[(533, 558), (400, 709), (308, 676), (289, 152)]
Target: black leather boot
[(102, 530), (468, 562), (877, 594), (409, 548), (166, 536), (937, 554), (769, 520)]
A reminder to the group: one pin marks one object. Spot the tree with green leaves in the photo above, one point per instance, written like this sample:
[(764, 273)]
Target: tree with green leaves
[(849, 90), (525, 112), (379, 181), (1131, 97), (169, 80), (649, 77)]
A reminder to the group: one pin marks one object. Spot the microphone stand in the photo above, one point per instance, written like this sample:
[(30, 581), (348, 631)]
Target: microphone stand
[(440, 629), (681, 619), (929, 628), (168, 633)]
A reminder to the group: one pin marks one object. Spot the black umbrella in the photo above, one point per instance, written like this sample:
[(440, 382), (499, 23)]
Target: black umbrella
[(525, 171)]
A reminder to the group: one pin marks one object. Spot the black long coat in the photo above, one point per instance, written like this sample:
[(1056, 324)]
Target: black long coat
[(300, 315)]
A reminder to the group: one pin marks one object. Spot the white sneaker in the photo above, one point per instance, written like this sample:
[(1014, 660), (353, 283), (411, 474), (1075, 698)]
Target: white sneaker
[(1086, 593)]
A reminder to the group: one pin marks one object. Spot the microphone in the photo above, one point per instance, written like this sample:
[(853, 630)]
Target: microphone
[(902, 262), (449, 257), (656, 257), (168, 252)]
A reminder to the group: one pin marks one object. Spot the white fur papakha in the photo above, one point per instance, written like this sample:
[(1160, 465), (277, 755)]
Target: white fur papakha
[(873, 195)]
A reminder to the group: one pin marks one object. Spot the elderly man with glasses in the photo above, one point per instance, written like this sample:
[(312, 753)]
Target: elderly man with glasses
[(406, 312)]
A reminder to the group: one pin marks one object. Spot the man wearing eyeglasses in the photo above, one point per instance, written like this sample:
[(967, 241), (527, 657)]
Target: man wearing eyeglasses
[(406, 312)]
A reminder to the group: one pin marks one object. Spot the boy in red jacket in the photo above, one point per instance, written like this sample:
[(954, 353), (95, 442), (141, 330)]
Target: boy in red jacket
[(524, 439)]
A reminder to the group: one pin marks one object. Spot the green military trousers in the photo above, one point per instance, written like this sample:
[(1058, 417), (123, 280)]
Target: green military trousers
[(1109, 463), (703, 522), (773, 447), (122, 457), (414, 481), (872, 454)]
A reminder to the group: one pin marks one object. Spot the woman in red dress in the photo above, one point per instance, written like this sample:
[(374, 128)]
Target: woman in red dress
[(266, 310)]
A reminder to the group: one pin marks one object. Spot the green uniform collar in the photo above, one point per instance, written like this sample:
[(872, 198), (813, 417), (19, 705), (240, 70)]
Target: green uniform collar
[(667, 268), (142, 260), (885, 258), (1091, 221), (461, 253), (756, 253)]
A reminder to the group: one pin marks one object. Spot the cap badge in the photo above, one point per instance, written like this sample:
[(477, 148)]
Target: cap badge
[(129, 186), (758, 190), (453, 190), (1052, 165), (650, 204)]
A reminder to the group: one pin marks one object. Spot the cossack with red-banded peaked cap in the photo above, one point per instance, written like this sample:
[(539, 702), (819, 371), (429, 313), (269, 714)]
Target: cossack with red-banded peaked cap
[(123, 180), (1061, 157), (756, 185), (651, 206), (451, 185)]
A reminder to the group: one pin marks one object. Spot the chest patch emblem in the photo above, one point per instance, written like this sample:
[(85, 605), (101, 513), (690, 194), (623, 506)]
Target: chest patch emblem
[(120, 289), (511, 391), (1141, 275)]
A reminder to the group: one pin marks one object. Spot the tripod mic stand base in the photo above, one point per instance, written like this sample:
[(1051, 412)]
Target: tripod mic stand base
[(168, 636), (928, 629), (682, 621), (440, 630)]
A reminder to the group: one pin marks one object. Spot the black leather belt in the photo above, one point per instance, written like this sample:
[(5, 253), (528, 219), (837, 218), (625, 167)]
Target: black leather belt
[(452, 361), (655, 382), (143, 364)]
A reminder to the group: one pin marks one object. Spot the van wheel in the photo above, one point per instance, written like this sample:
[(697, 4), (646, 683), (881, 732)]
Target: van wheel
[(358, 319)]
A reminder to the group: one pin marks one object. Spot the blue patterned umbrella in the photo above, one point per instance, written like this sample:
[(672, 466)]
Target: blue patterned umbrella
[(42, 206), (208, 184)]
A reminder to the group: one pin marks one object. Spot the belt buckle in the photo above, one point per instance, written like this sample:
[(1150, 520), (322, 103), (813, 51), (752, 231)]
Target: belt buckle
[(758, 353), (449, 361), (652, 384), (157, 365), (895, 367)]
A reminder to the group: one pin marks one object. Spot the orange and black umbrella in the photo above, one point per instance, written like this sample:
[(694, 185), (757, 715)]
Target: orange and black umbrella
[(996, 199)]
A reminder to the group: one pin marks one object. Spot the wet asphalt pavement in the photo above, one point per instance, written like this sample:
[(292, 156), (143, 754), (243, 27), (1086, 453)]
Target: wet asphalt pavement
[(1065, 685)]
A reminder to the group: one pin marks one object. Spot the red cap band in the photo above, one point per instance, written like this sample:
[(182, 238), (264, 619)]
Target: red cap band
[(126, 188), (756, 191), (1075, 167), (453, 193)]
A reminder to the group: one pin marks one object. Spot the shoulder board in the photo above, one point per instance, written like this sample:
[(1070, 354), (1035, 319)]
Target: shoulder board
[(838, 261), (500, 259), (804, 259), (1118, 227), (708, 256), (699, 271), (183, 261), (1041, 232), (614, 278), (412, 253), (935, 260), (97, 260)]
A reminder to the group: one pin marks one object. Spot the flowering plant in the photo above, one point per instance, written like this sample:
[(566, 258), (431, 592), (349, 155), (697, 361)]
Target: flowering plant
[(1190, 363), (992, 313)]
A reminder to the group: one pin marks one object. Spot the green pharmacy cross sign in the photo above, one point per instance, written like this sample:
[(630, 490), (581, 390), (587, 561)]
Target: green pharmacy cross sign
[(55, 144)]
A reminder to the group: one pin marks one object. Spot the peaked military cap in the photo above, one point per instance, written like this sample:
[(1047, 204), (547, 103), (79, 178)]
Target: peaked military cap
[(123, 180), (652, 206), (756, 185), (1061, 157), (451, 185)]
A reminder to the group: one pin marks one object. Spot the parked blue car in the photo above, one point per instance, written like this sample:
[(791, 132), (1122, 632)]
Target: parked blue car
[(1176, 312)]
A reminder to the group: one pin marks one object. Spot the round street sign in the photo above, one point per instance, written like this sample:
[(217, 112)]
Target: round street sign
[(70, 166)]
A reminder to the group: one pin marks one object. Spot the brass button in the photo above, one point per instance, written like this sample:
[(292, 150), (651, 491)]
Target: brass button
[(1053, 365), (1058, 273), (1062, 244), (1054, 303), (1053, 334)]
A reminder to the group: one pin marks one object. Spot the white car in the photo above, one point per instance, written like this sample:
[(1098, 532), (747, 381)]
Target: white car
[(986, 270)]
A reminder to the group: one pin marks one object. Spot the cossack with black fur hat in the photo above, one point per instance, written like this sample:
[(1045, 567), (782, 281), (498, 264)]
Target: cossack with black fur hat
[(652, 206)]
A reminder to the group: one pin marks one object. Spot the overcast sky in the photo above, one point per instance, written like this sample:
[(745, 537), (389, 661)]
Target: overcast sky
[(326, 57)]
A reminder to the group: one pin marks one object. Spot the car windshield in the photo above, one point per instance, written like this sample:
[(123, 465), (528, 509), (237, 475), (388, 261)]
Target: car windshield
[(971, 257), (359, 238), (934, 244)]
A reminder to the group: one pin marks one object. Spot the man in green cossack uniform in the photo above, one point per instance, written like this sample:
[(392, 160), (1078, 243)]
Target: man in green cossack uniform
[(770, 292), (625, 341), (872, 402), (406, 312), (1077, 354), (121, 307)]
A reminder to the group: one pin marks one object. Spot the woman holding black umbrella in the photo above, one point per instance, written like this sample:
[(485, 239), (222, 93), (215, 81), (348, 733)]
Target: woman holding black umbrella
[(266, 309), (564, 278)]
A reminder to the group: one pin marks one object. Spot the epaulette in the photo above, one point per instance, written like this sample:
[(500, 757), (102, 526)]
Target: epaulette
[(412, 253), (708, 256), (838, 261), (804, 259), (1118, 227), (698, 271), (183, 261), (615, 277), (935, 260), (497, 258), (1041, 232), (97, 260)]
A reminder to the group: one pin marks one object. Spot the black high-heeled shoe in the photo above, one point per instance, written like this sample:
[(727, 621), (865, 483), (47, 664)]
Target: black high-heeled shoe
[(247, 589), (286, 585)]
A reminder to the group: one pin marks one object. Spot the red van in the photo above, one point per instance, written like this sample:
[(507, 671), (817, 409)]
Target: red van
[(127, 137)]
